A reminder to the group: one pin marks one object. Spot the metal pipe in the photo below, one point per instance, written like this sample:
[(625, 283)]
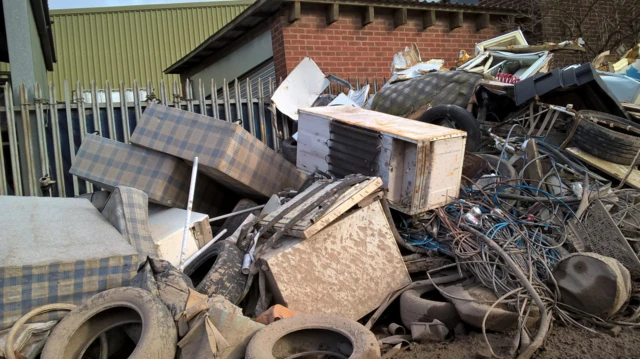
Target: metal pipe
[(204, 248), (187, 222), (236, 213), (57, 147)]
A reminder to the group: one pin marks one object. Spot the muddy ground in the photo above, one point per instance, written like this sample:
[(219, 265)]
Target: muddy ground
[(562, 343)]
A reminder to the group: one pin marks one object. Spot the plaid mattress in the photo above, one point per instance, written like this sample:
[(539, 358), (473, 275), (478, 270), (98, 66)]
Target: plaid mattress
[(414, 96), (31, 286), (226, 152), (69, 254), (127, 209), (108, 164)]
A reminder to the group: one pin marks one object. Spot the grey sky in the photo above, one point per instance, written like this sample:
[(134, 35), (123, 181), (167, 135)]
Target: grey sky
[(72, 4)]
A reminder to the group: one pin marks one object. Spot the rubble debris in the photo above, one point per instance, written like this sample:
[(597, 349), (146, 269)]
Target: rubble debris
[(165, 282), (362, 285), (254, 170), (513, 38), (405, 59), (273, 314), (237, 330), (325, 214), (549, 46), (243, 209), (473, 304), (396, 329), (29, 339), (110, 309), (520, 65), (616, 171), (593, 283), (74, 256), (342, 140), (605, 238), (314, 334), (435, 331), (426, 304), (580, 86), (626, 89)]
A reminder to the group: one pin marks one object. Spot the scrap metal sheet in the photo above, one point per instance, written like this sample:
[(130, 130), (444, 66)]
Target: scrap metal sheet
[(346, 269)]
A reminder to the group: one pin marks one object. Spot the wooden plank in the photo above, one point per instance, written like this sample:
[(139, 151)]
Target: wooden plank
[(399, 17), (455, 20), (333, 13), (368, 16), (615, 170), (533, 171), (428, 19), (305, 228), (482, 21), (395, 126), (294, 11)]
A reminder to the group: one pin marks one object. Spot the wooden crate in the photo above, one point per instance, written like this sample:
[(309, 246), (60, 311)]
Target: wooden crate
[(420, 164)]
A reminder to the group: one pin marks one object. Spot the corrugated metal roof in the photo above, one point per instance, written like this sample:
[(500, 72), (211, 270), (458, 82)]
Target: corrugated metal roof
[(132, 42)]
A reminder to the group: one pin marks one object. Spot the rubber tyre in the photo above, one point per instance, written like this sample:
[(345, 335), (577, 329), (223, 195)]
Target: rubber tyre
[(505, 170), (459, 116), (108, 310), (306, 332), (413, 308), (605, 143), (290, 150), (231, 224), (225, 276)]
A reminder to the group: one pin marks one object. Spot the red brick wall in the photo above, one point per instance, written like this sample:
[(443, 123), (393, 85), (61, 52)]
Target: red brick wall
[(347, 49)]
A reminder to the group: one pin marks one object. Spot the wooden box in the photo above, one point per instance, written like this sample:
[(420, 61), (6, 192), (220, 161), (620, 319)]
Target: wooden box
[(348, 268), (420, 164)]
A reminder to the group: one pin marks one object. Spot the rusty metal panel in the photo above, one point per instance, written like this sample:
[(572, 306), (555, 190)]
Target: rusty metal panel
[(346, 269)]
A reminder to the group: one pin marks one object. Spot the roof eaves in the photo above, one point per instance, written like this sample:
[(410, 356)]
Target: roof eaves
[(267, 7), (260, 7)]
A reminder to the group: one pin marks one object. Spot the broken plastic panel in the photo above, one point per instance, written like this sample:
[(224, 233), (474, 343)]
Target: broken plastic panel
[(300, 89)]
